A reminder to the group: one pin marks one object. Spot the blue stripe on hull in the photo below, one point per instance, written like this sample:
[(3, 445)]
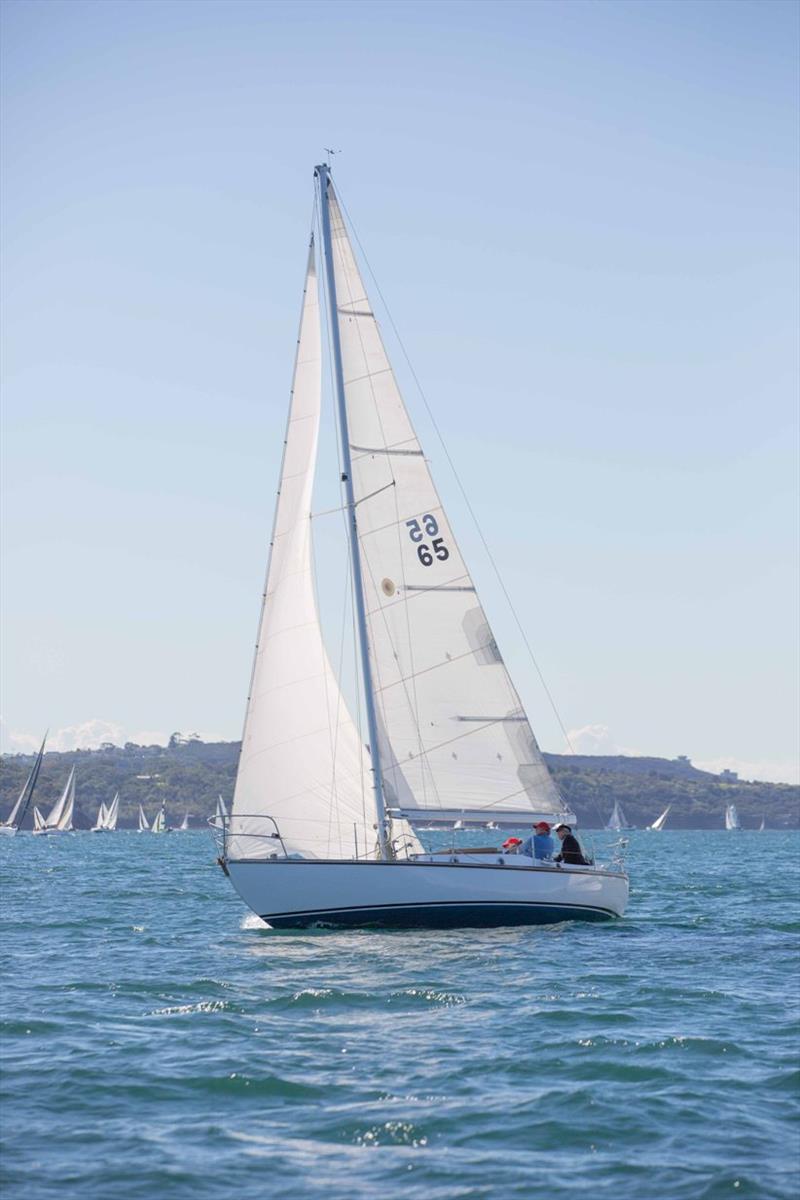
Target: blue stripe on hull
[(444, 915)]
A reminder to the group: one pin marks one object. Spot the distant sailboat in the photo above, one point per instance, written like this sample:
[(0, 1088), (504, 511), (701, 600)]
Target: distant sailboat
[(160, 821), (184, 825), (732, 819), (60, 818), (762, 825), (144, 827), (661, 821), (17, 815), (107, 817), (618, 820), (100, 824)]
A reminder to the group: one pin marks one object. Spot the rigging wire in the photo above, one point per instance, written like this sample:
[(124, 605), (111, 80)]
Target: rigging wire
[(457, 478)]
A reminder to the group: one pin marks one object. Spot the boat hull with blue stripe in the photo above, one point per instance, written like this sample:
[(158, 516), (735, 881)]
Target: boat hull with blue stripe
[(427, 892)]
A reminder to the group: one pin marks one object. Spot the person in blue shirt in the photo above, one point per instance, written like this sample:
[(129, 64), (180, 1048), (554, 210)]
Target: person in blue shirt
[(539, 844)]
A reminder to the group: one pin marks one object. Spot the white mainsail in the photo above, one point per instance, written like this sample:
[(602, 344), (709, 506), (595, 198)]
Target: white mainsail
[(661, 821), (617, 820), (301, 760), (102, 816), (64, 824), (143, 823), (112, 814), (184, 825), (731, 818), (60, 817), (159, 821), (38, 820), (455, 738)]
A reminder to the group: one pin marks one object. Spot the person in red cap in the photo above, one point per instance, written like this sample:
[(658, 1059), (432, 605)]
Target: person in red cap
[(539, 844)]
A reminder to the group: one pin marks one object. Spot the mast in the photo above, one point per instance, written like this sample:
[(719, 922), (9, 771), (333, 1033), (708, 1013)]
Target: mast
[(322, 174)]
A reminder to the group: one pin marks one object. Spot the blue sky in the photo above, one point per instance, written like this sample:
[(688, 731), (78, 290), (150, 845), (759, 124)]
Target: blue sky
[(584, 220)]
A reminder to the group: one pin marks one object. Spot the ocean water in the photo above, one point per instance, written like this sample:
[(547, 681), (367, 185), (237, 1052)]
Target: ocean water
[(160, 1043)]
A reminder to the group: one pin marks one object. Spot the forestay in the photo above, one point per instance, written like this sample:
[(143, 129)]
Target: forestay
[(455, 737), (301, 760)]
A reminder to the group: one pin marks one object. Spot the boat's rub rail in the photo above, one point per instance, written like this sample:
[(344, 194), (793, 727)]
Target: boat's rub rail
[(557, 868)]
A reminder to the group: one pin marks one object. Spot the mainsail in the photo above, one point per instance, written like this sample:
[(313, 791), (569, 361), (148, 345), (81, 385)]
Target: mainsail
[(301, 759), (617, 820), (143, 822), (102, 816), (661, 821), (455, 740)]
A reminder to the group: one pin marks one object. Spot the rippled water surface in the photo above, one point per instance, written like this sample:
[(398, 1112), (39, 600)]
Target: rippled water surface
[(161, 1043)]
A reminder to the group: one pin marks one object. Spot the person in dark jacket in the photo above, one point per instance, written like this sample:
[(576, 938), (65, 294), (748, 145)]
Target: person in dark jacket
[(570, 848)]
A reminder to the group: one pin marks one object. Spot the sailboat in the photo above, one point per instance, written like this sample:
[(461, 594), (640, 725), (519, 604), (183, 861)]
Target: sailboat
[(618, 820), (321, 828), (107, 817), (762, 826), (38, 820), (661, 821), (60, 817), (144, 826), (17, 815), (184, 825), (732, 819), (160, 821)]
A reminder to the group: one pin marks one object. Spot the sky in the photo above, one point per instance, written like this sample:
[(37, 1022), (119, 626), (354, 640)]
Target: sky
[(583, 217)]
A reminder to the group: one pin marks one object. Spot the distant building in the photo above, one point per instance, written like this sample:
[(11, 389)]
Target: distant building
[(684, 758), (729, 776)]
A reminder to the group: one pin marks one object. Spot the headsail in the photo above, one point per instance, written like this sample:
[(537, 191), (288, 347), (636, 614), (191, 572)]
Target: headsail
[(455, 738), (301, 759)]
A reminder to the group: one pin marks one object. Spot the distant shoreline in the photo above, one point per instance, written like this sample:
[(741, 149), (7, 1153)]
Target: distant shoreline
[(188, 775)]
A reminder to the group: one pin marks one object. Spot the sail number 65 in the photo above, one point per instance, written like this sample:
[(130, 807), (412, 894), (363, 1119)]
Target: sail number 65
[(425, 552)]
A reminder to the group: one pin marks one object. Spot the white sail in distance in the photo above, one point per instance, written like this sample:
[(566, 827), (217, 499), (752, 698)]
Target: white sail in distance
[(301, 760), (112, 814), (64, 824), (61, 814), (455, 740), (102, 817), (17, 814), (617, 819), (661, 821), (143, 822)]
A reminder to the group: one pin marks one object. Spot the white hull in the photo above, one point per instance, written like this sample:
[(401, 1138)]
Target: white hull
[(296, 893), (7, 830)]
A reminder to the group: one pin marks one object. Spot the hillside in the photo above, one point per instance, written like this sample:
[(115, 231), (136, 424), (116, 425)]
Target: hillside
[(190, 774)]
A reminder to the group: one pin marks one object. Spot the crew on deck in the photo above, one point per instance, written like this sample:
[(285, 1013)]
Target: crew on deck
[(539, 844), (570, 848)]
